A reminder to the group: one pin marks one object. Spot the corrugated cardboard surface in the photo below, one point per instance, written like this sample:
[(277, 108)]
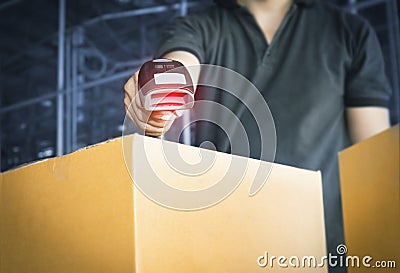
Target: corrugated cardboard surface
[(76, 214), (370, 181), (285, 219), (68, 214)]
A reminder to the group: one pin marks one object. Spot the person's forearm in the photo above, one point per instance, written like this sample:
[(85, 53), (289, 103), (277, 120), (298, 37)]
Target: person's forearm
[(364, 122)]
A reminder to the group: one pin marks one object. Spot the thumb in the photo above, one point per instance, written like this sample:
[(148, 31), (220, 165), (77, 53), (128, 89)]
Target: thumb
[(179, 113)]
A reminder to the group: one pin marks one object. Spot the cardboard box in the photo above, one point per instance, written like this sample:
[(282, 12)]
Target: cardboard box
[(370, 179), (68, 214), (81, 213)]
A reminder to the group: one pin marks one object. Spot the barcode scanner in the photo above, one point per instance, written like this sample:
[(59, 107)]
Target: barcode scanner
[(165, 85)]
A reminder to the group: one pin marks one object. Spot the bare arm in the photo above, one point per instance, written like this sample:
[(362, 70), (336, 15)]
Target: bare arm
[(186, 58), (157, 122), (364, 122)]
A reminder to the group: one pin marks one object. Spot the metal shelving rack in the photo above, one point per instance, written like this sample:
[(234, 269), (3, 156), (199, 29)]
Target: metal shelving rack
[(76, 79)]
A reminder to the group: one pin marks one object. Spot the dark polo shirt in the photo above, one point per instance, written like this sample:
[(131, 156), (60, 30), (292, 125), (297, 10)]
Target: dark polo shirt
[(320, 61)]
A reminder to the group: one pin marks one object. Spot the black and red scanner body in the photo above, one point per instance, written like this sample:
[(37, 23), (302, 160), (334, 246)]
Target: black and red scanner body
[(165, 85)]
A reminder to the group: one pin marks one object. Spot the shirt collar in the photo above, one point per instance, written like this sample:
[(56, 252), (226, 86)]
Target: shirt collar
[(303, 2), (233, 3)]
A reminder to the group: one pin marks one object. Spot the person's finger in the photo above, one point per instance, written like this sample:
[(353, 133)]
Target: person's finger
[(145, 115), (157, 123), (160, 123), (179, 113), (130, 87), (146, 127), (168, 125), (145, 119), (154, 134), (128, 108), (140, 113), (127, 112), (160, 118), (140, 125), (152, 131), (149, 127), (163, 115), (137, 101), (136, 117), (127, 101)]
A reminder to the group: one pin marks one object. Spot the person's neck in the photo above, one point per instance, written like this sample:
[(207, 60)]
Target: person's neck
[(276, 7), (268, 14)]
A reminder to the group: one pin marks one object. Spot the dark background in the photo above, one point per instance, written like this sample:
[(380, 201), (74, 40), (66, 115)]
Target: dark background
[(105, 42)]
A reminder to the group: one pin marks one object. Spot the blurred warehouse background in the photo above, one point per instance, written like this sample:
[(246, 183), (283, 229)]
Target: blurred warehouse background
[(50, 107)]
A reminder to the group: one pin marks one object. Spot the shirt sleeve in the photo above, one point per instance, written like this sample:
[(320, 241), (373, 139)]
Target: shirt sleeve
[(366, 82), (184, 33)]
